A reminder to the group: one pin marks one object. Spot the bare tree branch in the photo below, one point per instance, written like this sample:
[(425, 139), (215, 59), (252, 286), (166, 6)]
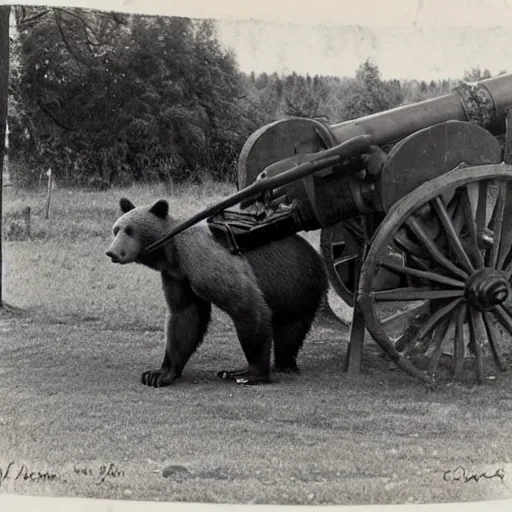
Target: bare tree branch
[(76, 55), (85, 24), (23, 21), (51, 115)]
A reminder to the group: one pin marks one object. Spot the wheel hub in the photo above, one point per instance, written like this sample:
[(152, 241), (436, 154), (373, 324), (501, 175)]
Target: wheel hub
[(487, 288)]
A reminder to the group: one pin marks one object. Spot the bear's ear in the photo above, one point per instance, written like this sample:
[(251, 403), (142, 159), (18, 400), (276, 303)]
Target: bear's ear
[(160, 208), (126, 205)]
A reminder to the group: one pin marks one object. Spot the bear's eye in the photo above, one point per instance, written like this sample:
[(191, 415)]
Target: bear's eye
[(116, 230), (129, 230)]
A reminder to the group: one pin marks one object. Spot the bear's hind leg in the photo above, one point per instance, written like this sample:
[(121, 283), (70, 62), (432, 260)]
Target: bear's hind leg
[(186, 326), (288, 340), (256, 340)]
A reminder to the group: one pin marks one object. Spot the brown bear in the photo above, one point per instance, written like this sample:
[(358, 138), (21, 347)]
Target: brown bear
[(271, 293)]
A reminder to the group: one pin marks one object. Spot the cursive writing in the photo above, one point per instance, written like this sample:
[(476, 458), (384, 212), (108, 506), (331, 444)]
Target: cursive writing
[(105, 471), (460, 474), (22, 472), (110, 471)]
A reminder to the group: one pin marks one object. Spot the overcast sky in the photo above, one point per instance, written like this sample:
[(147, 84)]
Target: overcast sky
[(429, 52), (422, 39)]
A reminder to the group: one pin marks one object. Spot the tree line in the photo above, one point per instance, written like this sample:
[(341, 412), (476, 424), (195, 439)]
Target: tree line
[(109, 99)]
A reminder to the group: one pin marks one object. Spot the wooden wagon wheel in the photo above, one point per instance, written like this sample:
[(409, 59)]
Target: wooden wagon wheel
[(455, 235), (342, 250)]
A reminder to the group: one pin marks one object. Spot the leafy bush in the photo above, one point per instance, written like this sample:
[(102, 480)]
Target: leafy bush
[(107, 99)]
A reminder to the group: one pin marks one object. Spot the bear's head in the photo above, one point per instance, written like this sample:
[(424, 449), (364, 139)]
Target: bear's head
[(136, 229)]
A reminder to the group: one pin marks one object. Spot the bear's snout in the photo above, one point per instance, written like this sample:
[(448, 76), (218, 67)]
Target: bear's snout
[(114, 257)]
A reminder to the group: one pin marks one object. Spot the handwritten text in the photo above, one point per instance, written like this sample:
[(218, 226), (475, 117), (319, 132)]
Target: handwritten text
[(460, 474), (22, 472)]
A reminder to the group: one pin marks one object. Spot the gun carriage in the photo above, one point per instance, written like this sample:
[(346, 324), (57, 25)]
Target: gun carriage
[(414, 205)]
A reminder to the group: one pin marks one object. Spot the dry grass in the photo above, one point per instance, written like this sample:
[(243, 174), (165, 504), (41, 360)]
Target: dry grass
[(65, 263), (81, 215), (70, 392)]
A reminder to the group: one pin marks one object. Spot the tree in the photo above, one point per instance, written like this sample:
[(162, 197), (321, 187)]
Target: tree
[(476, 74), (306, 97), (56, 51), (367, 93), (114, 100), (5, 12)]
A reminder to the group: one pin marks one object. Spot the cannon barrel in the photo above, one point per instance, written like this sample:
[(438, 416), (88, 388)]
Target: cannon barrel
[(484, 102)]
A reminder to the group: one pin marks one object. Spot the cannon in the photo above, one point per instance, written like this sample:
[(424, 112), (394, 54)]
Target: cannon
[(414, 205)]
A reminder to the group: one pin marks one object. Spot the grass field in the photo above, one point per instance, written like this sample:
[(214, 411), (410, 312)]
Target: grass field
[(75, 420)]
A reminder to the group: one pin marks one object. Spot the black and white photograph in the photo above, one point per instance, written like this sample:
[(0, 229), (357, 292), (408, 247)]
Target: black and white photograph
[(256, 253)]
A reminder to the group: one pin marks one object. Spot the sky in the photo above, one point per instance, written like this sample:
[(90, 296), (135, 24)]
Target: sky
[(404, 52), (423, 39)]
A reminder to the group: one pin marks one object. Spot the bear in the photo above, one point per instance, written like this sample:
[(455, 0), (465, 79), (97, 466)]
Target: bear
[(271, 293)]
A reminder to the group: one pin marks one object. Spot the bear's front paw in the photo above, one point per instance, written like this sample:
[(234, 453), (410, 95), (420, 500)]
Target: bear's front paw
[(158, 378)]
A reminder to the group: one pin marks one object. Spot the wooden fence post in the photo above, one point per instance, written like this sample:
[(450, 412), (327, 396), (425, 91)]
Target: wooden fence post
[(48, 194)]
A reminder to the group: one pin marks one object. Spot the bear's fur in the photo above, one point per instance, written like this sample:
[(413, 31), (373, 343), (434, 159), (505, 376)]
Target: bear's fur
[(271, 293)]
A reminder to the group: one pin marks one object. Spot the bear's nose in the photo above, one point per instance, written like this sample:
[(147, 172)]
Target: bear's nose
[(112, 256)]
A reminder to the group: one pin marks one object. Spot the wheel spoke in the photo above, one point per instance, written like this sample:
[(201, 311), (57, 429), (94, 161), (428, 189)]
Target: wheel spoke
[(452, 236), (493, 340), (504, 318), (432, 322), (503, 237), (481, 208), (496, 227), (431, 276), (419, 262), (454, 211), (344, 259), (507, 307), (458, 349), (401, 314), (477, 336), (473, 237), (508, 269), (405, 244), (477, 192), (434, 252), (413, 324), (406, 294), (438, 344)]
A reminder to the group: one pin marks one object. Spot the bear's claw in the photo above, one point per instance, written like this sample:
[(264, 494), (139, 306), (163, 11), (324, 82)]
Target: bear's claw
[(227, 374), (157, 378), (243, 377)]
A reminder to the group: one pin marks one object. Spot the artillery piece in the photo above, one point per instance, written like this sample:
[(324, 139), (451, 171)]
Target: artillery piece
[(412, 205)]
